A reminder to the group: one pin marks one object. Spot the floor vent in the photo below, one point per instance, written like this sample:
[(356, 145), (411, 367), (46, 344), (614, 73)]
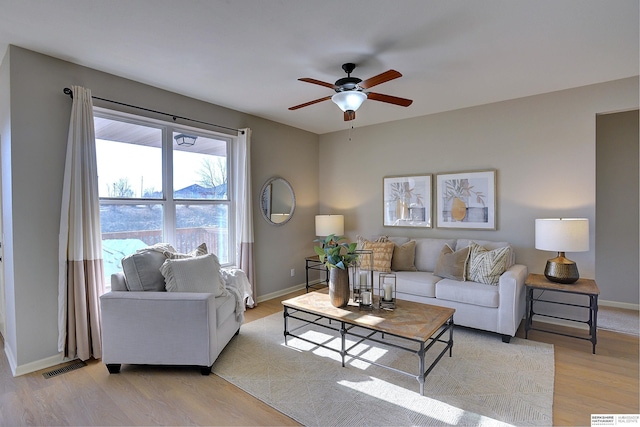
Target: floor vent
[(71, 367)]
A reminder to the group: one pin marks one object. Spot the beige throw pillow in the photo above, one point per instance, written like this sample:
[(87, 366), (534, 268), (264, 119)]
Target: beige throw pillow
[(382, 254), (452, 265), (404, 256), (487, 266)]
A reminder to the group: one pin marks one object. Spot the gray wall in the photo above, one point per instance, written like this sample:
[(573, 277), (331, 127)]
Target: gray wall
[(617, 231), (33, 152), (543, 148)]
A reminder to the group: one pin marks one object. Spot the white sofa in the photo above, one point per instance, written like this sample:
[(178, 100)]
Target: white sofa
[(496, 307), (142, 323)]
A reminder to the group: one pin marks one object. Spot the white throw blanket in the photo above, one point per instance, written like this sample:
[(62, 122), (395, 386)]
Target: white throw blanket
[(236, 282)]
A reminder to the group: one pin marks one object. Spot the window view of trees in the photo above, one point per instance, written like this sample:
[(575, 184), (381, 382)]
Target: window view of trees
[(134, 211)]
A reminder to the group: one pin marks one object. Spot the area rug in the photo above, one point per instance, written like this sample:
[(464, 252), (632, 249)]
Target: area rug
[(619, 320), (485, 382)]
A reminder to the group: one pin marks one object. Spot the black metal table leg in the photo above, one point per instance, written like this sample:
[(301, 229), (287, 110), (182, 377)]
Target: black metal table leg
[(529, 312), (593, 319), (421, 363), (343, 338), (285, 314)]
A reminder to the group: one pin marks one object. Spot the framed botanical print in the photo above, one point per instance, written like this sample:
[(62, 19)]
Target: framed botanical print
[(407, 201), (466, 200)]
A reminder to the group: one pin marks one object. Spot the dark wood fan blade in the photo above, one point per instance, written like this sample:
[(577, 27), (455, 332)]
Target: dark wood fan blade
[(318, 82), (379, 79), (389, 99), (349, 115), (306, 104)]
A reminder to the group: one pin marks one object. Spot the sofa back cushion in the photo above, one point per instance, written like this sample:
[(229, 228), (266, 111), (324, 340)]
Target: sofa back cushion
[(142, 270), (428, 251)]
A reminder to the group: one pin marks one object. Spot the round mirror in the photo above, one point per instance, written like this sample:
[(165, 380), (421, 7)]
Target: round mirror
[(277, 201)]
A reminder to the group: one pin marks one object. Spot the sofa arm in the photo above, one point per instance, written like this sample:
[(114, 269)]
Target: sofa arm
[(158, 328), (512, 299), (118, 282)]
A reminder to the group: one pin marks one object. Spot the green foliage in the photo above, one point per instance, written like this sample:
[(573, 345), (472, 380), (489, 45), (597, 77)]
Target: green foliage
[(335, 254)]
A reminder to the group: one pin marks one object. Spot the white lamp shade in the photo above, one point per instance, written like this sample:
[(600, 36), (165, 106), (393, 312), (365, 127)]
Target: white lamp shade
[(562, 234), (349, 100), (327, 225)]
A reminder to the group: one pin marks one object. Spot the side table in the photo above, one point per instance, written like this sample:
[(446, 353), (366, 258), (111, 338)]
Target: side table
[(585, 287), (313, 263)]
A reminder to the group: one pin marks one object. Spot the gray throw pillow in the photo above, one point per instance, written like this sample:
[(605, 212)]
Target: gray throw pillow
[(142, 271), (452, 265)]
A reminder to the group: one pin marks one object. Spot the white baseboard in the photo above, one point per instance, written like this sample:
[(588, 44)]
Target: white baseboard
[(17, 370), (39, 364), (11, 358), (615, 304), (286, 291), (279, 293)]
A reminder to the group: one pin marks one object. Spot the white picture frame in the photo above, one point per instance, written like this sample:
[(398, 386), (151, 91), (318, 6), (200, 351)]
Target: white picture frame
[(466, 200)]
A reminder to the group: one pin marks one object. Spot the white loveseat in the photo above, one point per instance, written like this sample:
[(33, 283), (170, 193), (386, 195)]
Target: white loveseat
[(144, 323), (497, 307)]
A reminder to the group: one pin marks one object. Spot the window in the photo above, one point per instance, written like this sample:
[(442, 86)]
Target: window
[(159, 182)]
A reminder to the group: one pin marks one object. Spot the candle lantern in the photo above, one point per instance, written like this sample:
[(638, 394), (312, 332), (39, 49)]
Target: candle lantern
[(387, 291), (362, 279)]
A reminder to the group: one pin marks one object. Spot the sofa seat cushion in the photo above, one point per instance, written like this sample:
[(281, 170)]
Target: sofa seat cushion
[(421, 283), (225, 307), (468, 293)]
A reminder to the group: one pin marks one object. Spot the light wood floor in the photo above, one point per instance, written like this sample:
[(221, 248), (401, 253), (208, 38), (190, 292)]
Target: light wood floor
[(585, 384)]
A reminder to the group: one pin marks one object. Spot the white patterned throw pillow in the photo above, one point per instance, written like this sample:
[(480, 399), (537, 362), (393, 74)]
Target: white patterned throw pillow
[(487, 266)]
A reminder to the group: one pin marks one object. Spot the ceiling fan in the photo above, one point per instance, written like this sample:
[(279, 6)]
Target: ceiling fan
[(350, 91)]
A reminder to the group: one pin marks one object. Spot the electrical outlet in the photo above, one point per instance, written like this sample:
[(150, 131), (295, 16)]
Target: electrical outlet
[(293, 272)]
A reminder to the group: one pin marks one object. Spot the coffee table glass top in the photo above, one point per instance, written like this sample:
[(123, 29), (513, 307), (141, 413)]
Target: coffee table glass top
[(410, 320)]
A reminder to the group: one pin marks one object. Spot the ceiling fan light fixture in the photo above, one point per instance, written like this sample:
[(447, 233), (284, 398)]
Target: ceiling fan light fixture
[(349, 100)]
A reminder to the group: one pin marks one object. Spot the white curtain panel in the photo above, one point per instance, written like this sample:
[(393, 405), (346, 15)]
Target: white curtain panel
[(244, 211), (81, 270)]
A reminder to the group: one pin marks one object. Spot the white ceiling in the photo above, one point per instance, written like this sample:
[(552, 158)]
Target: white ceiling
[(248, 54)]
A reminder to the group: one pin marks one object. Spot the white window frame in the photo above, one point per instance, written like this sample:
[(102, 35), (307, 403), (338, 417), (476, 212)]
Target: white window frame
[(167, 201)]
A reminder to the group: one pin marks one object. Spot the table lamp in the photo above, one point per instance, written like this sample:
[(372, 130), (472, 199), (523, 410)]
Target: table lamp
[(562, 235), (327, 225)]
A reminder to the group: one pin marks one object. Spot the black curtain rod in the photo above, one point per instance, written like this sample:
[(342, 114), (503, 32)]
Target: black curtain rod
[(69, 92)]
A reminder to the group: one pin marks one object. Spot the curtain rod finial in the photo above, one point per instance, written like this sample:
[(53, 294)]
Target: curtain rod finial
[(68, 91)]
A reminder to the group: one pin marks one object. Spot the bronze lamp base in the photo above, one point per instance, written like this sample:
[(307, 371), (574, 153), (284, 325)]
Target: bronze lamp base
[(561, 270)]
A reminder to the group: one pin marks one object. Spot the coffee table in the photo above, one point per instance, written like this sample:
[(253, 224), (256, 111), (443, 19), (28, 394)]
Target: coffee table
[(421, 324)]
